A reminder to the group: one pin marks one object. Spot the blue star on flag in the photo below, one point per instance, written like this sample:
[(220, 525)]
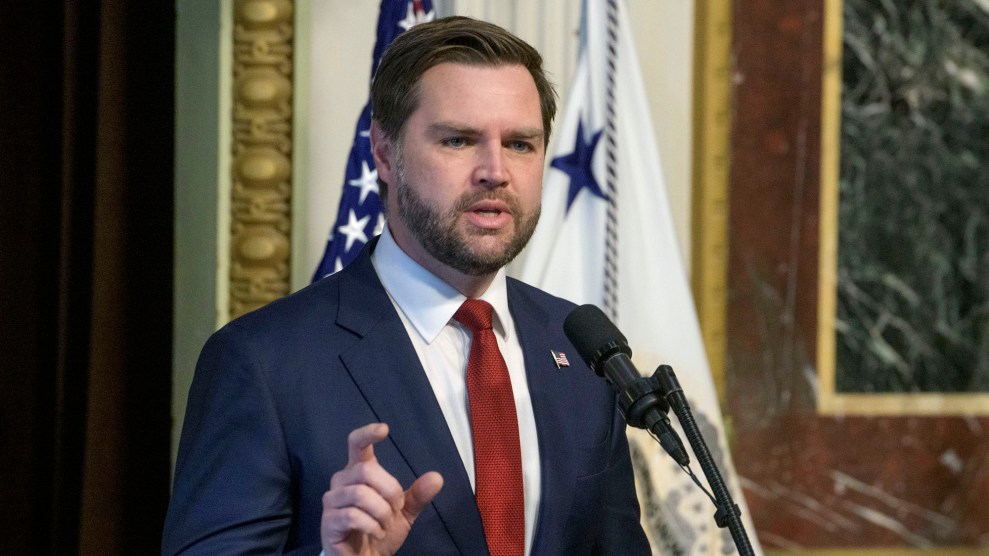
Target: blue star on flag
[(577, 165)]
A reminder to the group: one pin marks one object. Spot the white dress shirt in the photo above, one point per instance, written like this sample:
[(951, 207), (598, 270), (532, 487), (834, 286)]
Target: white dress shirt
[(426, 305)]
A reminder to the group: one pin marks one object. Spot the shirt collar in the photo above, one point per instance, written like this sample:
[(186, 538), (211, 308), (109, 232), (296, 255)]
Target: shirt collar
[(427, 301)]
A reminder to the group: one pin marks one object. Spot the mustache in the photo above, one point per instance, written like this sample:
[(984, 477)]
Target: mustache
[(471, 197)]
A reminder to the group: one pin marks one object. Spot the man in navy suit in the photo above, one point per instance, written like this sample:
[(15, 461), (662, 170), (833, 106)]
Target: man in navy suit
[(337, 419)]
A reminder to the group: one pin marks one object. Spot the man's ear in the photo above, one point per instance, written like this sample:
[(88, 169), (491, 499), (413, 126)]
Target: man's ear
[(383, 152)]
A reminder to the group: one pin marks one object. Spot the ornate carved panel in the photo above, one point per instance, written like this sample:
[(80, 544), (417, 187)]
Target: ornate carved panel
[(262, 153)]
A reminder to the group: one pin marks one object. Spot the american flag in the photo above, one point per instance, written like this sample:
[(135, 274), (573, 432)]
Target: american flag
[(360, 215), (560, 358)]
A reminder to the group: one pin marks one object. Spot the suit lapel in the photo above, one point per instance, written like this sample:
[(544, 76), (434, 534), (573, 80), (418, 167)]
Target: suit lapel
[(548, 389), (386, 369)]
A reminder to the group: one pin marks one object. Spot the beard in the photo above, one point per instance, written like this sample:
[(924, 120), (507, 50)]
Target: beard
[(437, 231)]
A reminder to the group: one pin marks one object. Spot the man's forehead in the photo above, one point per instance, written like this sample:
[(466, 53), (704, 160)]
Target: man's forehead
[(452, 88), (442, 75)]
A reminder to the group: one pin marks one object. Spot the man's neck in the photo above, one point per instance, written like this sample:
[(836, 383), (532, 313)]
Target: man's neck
[(469, 285)]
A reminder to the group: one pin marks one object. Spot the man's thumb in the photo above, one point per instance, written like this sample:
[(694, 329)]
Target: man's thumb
[(421, 493)]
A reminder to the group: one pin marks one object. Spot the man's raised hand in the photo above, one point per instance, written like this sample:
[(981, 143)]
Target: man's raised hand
[(366, 512)]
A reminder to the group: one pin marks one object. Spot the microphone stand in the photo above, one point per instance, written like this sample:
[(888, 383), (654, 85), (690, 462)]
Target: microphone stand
[(727, 513)]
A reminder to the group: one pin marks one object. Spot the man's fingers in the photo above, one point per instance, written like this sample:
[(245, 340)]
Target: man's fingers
[(421, 493), (367, 502), (361, 497), (339, 523), (373, 475), (360, 442), (363, 468)]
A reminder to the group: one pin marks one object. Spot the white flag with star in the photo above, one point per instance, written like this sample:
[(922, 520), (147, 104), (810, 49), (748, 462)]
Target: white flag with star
[(606, 237)]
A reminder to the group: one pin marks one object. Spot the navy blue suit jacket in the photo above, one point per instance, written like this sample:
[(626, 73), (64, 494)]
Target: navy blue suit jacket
[(277, 391)]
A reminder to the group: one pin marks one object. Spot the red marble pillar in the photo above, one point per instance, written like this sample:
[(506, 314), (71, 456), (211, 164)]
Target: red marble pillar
[(813, 480)]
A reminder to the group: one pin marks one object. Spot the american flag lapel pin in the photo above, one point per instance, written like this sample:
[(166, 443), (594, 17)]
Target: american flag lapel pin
[(560, 359)]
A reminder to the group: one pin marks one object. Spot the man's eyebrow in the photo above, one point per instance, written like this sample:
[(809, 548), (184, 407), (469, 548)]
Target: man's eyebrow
[(527, 133), (524, 133), (443, 128)]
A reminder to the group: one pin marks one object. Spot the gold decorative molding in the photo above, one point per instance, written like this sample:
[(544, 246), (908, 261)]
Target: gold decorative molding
[(711, 158), (261, 170), (828, 250)]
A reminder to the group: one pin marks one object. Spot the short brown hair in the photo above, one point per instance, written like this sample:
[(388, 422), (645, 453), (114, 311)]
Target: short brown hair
[(458, 40)]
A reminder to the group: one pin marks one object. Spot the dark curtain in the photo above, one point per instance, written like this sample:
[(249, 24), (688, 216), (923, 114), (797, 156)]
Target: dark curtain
[(86, 210)]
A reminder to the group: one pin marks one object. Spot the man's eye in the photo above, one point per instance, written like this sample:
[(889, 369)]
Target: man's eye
[(520, 146), (455, 142)]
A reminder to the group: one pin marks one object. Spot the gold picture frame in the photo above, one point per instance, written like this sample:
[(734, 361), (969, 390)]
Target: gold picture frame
[(831, 402)]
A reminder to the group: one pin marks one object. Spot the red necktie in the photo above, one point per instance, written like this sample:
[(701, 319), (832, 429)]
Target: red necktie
[(495, 428)]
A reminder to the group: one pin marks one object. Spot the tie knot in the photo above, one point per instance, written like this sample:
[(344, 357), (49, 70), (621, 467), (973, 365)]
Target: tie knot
[(474, 314)]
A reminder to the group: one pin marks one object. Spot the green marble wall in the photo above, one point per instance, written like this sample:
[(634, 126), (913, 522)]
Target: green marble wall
[(913, 257)]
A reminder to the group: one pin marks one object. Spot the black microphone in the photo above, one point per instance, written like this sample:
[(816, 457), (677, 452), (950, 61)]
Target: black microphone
[(606, 351)]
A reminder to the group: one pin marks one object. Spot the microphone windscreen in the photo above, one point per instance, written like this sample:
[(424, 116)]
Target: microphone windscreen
[(592, 333)]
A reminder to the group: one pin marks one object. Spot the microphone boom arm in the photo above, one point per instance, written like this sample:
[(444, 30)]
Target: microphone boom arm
[(727, 513)]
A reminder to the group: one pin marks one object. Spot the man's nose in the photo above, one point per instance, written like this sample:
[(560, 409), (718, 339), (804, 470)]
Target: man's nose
[(490, 170)]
